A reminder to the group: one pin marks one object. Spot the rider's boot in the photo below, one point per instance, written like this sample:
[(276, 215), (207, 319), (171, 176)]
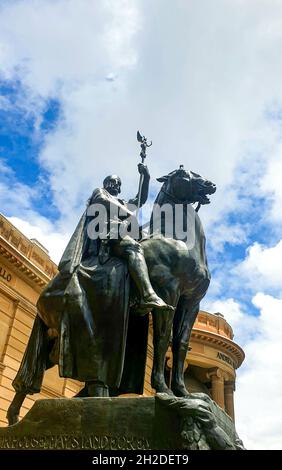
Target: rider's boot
[(139, 272)]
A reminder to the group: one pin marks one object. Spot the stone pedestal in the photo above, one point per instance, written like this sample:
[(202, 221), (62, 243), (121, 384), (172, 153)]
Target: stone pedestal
[(160, 422)]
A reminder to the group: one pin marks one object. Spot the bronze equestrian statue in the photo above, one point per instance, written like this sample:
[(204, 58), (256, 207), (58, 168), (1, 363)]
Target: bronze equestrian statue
[(92, 318)]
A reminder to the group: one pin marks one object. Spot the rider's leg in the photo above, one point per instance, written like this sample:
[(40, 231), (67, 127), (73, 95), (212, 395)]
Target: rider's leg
[(132, 252)]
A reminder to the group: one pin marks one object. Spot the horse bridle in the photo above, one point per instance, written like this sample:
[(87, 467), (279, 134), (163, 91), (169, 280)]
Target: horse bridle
[(177, 201)]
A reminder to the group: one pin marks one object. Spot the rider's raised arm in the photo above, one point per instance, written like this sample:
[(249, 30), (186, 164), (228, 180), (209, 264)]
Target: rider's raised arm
[(143, 170)]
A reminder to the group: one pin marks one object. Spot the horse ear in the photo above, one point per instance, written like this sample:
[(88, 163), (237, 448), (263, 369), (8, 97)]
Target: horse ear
[(162, 179)]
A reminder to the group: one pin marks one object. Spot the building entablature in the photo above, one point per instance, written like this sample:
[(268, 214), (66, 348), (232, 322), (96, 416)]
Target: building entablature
[(27, 257), (227, 350)]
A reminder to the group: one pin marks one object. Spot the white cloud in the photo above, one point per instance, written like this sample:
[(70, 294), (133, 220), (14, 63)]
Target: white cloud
[(261, 268), (271, 184), (72, 61), (43, 231), (50, 43), (180, 74), (259, 381), (244, 325), (259, 384), (233, 234), (14, 196), (17, 199)]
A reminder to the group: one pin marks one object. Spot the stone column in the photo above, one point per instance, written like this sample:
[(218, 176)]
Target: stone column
[(217, 389), (229, 388)]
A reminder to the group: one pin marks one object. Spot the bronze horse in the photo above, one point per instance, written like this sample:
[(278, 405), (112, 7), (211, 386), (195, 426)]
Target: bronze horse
[(63, 329)]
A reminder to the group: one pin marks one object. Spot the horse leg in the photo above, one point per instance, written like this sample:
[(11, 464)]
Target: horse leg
[(184, 319), (162, 324), (96, 388), (14, 408)]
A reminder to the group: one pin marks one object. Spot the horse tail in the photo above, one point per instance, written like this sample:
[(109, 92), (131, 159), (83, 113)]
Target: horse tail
[(35, 360)]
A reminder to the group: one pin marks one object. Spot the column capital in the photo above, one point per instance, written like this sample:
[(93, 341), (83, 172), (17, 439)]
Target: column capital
[(217, 385), (215, 372)]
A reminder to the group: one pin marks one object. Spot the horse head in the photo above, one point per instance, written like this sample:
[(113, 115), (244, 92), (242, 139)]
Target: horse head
[(187, 187)]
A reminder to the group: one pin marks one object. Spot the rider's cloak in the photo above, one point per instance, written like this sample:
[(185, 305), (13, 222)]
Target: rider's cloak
[(87, 303)]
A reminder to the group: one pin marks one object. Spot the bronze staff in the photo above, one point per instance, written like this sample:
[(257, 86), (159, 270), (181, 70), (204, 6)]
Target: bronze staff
[(143, 144)]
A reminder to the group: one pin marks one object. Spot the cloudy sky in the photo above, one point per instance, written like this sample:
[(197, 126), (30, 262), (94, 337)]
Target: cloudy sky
[(203, 80)]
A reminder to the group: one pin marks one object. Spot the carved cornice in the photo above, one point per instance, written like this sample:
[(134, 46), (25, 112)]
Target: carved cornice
[(225, 344), (22, 264)]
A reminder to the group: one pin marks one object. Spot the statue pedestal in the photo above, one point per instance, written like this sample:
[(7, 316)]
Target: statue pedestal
[(160, 422)]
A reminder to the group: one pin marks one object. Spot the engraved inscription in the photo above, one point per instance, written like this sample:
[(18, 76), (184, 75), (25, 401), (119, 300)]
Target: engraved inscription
[(68, 442), (226, 359), (6, 276)]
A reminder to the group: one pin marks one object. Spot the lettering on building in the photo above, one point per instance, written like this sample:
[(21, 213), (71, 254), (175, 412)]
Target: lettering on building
[(225, 358), (6, 276)]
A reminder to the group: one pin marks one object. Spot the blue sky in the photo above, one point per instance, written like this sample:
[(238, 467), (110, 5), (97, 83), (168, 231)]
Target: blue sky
[(21, 140), (203, 81)]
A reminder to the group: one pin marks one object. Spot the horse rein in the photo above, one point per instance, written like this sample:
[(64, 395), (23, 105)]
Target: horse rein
[(177, 201)]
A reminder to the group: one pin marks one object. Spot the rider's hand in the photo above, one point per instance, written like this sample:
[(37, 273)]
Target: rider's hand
[(143, 170)]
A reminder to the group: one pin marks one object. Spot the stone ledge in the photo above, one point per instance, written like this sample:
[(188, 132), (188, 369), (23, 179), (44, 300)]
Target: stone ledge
[(142, 423)]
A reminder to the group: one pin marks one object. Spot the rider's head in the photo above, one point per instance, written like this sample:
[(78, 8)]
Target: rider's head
[(112, 184)]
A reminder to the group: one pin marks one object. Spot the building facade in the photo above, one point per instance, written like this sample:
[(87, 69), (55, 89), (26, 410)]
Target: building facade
[(26, 268)]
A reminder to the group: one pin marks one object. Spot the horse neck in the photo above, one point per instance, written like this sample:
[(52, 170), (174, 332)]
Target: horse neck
[(195, 240), (162, 198), (165, 198)]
